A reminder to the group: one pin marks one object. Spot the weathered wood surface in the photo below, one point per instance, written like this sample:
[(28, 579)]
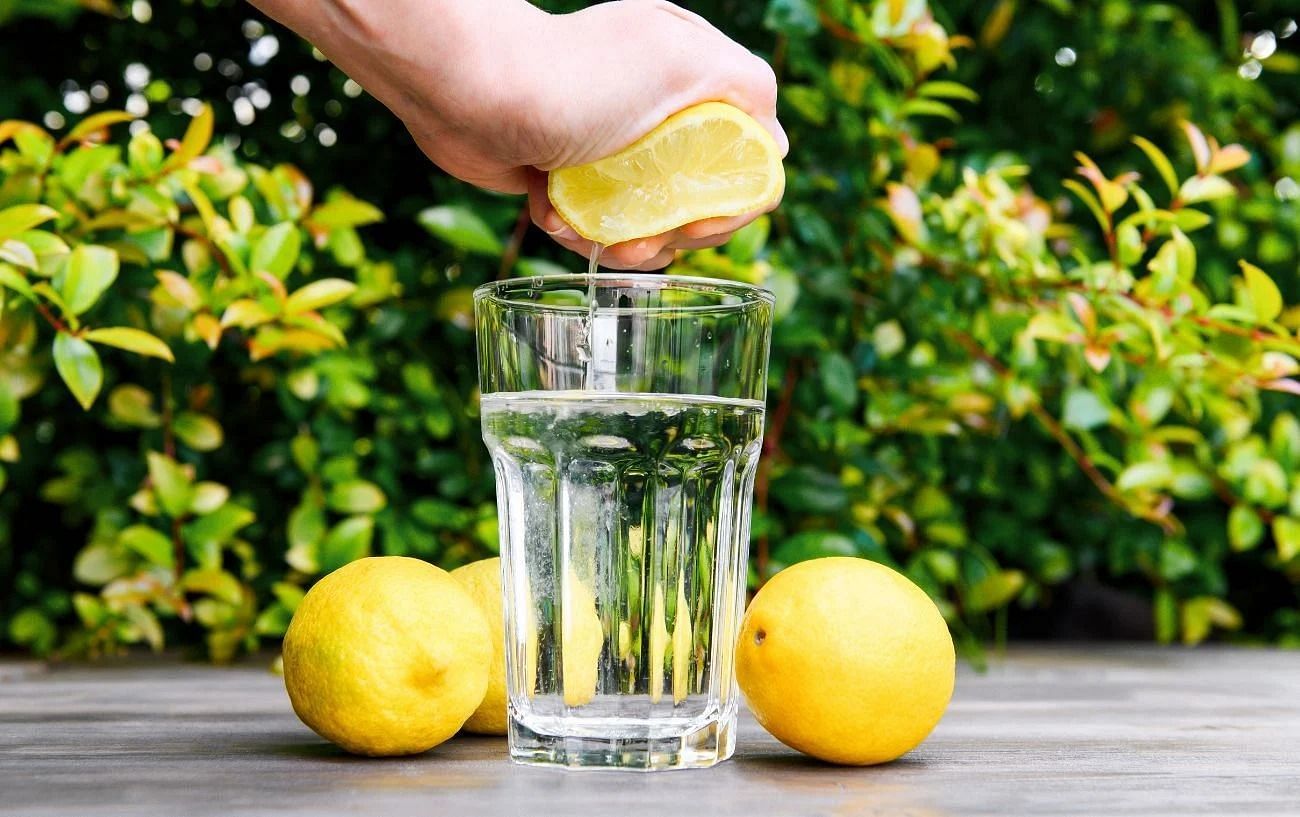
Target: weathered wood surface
[(1047, 731)]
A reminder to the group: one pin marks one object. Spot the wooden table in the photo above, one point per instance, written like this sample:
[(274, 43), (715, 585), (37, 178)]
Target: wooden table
[(1046, 731)]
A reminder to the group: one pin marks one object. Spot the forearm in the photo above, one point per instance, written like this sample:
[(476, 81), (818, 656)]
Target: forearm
[(399, 50)]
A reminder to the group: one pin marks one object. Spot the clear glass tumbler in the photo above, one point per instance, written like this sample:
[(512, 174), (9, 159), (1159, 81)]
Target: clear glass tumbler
[(624, 414)]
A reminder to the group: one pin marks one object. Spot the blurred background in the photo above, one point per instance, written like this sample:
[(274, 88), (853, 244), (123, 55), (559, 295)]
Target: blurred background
[(1018, 354)]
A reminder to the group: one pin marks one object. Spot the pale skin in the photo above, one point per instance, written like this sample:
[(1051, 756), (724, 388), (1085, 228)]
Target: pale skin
[(498, 92)]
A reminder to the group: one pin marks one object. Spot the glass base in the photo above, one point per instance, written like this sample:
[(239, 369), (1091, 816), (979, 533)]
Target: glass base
[(703, 747)]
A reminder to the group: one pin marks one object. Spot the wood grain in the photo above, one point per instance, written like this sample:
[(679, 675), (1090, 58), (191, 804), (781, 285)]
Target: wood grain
[(1047, 731)]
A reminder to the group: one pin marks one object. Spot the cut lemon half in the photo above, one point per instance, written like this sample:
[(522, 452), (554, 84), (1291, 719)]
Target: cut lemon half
[(707, 161)]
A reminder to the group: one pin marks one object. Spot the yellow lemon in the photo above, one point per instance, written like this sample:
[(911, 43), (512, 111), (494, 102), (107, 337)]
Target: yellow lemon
[(845, 660), (583, 641), (706, 161), (681, 646), (387, 656), (482, 580)]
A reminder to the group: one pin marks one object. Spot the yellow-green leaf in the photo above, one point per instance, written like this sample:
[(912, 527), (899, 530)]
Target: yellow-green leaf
[(132, 405), (245, 314), (356, 496), (345, 211), (198, 431), (93, 124), (132, 340), (180, 288), (197, 137), (1264, 294), (79, 366), (150, 543), (319, 294), (91, 271), (1205, 188), (277, 250), (1161, 162), (171, 484), (1088, 199), (23, 217), (1286, 534)]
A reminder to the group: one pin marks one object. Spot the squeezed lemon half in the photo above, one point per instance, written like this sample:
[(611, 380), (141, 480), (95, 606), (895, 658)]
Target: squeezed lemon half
[(708, 161)]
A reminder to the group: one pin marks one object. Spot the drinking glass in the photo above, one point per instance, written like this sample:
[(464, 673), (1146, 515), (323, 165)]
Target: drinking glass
[(624, 414)]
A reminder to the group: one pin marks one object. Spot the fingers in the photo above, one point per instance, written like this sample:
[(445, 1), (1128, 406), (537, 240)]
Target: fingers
[(541, 211)]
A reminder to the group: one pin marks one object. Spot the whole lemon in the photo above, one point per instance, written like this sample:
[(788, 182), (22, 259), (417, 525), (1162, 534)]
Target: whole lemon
[(386, 656), (845, 660), (482, 580)]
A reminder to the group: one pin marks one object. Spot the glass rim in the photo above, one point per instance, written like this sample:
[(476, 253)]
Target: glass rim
[(502, 293)]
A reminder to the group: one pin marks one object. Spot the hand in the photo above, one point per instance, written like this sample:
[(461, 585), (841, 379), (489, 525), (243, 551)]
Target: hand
[(498, 92)]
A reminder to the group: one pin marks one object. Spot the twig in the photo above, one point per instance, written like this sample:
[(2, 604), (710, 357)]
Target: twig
[(217, 253), (511, 253), (772, 447), (59, 326)]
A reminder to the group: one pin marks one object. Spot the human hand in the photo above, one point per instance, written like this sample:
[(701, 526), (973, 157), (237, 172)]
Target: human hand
[(498, 92)]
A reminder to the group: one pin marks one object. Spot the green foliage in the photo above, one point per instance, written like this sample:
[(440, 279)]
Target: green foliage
[(993, 378)]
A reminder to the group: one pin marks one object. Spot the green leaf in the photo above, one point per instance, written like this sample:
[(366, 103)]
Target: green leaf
[(946, 89), (146, 625), (346, 542), (79, 366), (10, 409), (345, 211), (207, 534), (793, 18), (198, 431), (1286, 535), (132, 405), (839, 382), (149, 543), (99, 564), (305, 451), (356, 497), (995, 590), (306, 527), (91, 270), (23, 217), (1161, 162), (747, 242), (34, 630), (214, 582), (1177, 560), (171, 483), (462, 228), (209, 496), (929, 107), (813, 545), (1265, 297), (277, 250), (1245, 528), (15, 280), (132, 340), (1203, 612), (808, 490), (1166, 616), (197, 137), (1190, 220), (1084, 410), (319, 294), (1205, 188), (1151, 475)]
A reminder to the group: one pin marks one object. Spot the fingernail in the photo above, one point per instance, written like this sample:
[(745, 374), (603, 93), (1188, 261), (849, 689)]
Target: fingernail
[(563, 233)]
